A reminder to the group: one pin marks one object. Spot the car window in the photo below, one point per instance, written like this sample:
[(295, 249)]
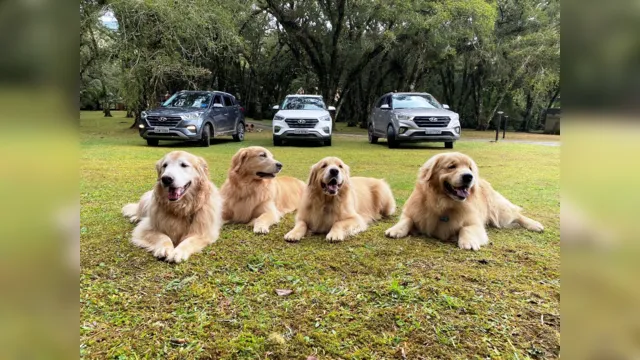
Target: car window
[(380, 101), (409, 101), (303, 103), (227, 101), (217, 99), (188, 100)]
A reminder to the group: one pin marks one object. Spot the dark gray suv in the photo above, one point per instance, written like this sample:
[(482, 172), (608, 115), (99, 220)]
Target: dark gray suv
[(194, 116)]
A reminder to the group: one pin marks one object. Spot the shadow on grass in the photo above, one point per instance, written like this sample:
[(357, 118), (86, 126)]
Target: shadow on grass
[(416, 145)]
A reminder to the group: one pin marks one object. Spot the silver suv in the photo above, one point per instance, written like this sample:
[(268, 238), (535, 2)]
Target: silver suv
[(194, 116), (405, 117), (302, 117)]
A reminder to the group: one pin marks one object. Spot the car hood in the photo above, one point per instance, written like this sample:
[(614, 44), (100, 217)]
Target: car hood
[(302, 114), (425, 112), (173, 111)]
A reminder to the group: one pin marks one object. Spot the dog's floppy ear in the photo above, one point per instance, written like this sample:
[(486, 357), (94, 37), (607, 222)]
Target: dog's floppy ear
[(203, 167), (313, 174), (426, 171), (238, 159), (159, 166)]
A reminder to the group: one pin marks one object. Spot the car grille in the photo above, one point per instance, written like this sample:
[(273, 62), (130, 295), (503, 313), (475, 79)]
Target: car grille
[(170, 122), (301, 123), (429, 122)]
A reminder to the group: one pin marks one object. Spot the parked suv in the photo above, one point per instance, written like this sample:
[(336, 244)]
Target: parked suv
[(302, 117), (404, 117), (194, 116)]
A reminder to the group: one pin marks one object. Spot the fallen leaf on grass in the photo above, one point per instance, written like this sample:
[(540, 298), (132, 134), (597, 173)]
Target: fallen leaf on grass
[(283, 292), (312, 358), (178, 342)]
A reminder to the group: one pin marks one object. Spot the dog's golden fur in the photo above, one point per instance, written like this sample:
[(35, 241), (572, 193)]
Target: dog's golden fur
[(174, 230), (253, 194), (437, 209), (343, 209)]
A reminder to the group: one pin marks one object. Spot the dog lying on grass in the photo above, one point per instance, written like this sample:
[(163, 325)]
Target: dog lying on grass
[(182, 214)]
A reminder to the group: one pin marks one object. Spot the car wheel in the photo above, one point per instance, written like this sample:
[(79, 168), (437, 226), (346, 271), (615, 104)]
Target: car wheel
[(391, 138), (206, 136), (153, 142), (239, 136), (327, 142), (277, 141), (448, 145), (372, 139)]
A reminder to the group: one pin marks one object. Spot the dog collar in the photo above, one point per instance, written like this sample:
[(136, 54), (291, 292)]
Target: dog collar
[(444, 218)]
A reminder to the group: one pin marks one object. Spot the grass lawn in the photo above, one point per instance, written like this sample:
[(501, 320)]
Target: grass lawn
[(366, 298), (467, 134)]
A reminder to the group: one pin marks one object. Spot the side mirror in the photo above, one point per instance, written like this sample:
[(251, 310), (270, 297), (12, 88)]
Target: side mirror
[(331, 108), (217, 105), (445, 106), (385, 107), (276, 107)]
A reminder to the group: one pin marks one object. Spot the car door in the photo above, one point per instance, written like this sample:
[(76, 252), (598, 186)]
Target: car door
[(219, 115), (375, 112), (383, 116), (232, 112)]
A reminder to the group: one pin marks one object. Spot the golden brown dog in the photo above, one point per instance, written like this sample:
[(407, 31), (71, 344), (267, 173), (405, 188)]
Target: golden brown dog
[(451, 202), (339, 205), (252, 193), (182, 214)]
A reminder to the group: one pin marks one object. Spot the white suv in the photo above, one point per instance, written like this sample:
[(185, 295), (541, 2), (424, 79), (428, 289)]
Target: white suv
[(302, 117)]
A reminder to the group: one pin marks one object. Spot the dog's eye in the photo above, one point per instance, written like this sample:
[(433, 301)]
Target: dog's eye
[(184, 165), (452, 166), (340, 166), (164, 165), (324, 166), (263, 155)]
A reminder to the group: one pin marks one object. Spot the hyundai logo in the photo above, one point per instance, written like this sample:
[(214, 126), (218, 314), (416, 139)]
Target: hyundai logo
[(302, 121), (162, 119), (433, 119)]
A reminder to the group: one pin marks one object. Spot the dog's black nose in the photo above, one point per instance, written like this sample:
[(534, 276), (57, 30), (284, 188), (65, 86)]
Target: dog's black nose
[(167, 180), (467, 178), (278, 166), (333, 172)]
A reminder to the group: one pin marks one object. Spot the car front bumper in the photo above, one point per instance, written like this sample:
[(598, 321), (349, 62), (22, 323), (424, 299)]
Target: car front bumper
[(171, 134), (419, 134), (310, 134)]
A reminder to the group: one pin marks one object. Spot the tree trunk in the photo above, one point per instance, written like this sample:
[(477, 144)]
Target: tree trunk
[(107, 111)]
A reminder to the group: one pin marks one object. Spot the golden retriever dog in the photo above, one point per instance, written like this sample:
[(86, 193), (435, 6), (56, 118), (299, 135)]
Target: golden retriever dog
[(451, 202), (253, 194), (338, 205), (183, 212)]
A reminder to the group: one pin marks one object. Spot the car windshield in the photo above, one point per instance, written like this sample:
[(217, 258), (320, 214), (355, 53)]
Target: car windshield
[(303, 103), (188, 100), (415, 102)]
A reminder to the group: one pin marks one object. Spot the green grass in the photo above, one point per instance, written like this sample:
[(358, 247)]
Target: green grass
[(366, 298)]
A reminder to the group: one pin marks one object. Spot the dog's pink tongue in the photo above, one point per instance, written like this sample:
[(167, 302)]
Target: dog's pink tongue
[(462, 192), (332, 188), (175, 193)]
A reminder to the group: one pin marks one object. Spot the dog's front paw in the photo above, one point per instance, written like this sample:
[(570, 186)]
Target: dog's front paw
[(335, 235), (396, 232), (535, 226), (259, 228), (293, 236), (163, 252), (469, 243), (179, 255)]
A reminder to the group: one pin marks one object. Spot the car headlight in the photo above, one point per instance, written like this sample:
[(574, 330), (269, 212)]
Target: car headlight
[(403, 117), (278, 118), (325, 118), (192, 116)]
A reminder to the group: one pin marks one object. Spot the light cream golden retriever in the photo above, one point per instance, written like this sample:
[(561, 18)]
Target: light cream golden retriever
[(451, 202), (182, 214), (338, 205), (253, 194)]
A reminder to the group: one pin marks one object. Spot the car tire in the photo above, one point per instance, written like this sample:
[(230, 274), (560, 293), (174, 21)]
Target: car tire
[(205, 141), (239, 135), (153, 142), (448, 145), (391, 138), (277, 141), (327, 142), (372, 139)]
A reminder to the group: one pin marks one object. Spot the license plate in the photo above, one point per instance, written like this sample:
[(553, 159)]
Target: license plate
[(300, 131), (161, 130), (433, 132)]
